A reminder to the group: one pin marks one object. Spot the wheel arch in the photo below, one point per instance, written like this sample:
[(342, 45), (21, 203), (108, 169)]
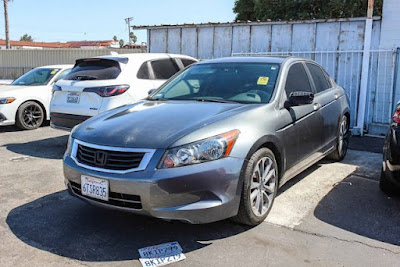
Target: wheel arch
[(36, 101), (272, 143)]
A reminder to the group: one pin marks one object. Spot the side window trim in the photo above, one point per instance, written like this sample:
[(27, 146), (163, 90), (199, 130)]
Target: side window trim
[(310, 78), (150, 68), (179, 62)]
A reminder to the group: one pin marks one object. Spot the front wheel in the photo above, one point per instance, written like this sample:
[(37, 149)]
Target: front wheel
[(30, 116), (342, 144), (260, 184)]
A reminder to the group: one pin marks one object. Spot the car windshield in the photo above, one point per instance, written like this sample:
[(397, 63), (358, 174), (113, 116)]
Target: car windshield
[(39, 76), (222, 82)]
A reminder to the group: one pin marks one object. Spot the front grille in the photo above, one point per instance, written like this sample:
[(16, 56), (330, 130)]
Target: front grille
[(115, 199), (107, 159)]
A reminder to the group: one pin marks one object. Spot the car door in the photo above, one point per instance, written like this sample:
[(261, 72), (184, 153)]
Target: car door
[(300, 126), (326, 98)]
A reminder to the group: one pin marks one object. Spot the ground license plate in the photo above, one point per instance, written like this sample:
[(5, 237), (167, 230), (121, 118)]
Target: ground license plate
[(73, 98), (94, 187)]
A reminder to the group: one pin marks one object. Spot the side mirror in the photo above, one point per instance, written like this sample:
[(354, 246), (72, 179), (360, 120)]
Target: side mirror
[(299, 98), (151, 91)]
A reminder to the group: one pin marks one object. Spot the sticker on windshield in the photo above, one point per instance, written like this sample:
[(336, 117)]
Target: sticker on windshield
[(54, 71), (263, 80)]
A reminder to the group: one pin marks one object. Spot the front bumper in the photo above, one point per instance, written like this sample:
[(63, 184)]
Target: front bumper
[(64, 121), (7, 114), (201, 193)]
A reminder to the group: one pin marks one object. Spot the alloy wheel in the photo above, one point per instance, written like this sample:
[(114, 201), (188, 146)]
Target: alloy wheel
[(262, 189), (32, 116)]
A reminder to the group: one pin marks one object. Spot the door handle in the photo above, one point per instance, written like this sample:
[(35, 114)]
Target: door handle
[(317, 106)]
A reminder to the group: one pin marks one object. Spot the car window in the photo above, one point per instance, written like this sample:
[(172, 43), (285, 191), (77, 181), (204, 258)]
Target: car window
[(297, 80), (319, 78), (237, 82), (94, 69), (143, 72), (186, 62), (62, 75), (164, 68), (38, 76)]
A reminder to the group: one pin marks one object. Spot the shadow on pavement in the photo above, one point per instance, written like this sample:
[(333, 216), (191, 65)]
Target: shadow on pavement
[(357, 205), (61, 224), (13, 128), (49, 148)]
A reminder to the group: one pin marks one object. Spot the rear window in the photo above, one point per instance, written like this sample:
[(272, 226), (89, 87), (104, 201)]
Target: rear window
[(94, 69), (186, 62)]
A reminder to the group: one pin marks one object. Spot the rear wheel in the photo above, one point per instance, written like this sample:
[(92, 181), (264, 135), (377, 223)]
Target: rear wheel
[(30, 115), (342, 140), (385, 185), (259, 188)]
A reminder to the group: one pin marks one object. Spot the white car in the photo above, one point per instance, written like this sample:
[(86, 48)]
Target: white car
[(26, 101), (99, 84)]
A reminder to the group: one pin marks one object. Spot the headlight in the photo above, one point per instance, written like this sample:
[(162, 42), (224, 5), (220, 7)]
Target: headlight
[(70, 143), (212, 148), (7, 100)]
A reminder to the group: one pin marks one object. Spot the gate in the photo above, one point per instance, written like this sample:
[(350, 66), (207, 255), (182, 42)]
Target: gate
[(345, 68)]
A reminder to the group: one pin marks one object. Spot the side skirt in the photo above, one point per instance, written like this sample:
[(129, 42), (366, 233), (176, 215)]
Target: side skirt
[(305, 164)]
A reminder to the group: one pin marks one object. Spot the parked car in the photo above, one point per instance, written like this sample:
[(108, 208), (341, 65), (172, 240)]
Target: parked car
[(3, 81), (26, 101), (99, 84), (390, 174), (215, 141)]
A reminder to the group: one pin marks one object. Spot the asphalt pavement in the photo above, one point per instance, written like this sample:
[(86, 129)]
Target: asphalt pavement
[(333, 214)]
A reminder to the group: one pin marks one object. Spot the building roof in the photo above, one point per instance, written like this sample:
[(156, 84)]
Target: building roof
[(244, 23)]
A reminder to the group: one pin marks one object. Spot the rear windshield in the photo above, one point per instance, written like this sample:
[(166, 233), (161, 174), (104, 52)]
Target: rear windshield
[(94, 69)]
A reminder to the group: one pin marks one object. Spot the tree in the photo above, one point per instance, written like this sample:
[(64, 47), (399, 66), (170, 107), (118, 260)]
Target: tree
[(115, 38), (244, 10), (26, 38), (133, 37), (6, 23), (121, 43), (302, 9)]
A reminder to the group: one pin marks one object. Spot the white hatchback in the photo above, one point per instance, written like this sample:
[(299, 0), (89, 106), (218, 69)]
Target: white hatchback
[(99, 84), (25, 102)]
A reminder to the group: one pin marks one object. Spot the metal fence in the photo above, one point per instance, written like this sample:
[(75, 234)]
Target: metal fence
[(345, 68), (15, 62)]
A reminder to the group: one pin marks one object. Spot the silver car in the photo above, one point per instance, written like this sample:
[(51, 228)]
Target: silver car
[(215, 141)]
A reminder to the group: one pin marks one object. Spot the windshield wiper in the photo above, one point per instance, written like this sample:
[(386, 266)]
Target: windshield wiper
[(156, 99), (215, 100), (85, 77)]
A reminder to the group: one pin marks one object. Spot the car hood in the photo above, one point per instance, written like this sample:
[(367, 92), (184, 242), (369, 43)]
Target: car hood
[(153, 124), (11, 90)]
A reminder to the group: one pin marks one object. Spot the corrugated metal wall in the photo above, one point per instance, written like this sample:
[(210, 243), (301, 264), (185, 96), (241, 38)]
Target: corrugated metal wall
[(205, 41), (14, 63)]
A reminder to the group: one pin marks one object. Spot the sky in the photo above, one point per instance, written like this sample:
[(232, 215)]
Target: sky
[(76, 20)]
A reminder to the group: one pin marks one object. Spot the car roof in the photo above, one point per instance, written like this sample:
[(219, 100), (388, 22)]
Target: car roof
[(60, 66), (253, 59), (143, 56)]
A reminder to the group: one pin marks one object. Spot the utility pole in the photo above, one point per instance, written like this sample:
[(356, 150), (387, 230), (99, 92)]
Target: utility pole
[(6, 23), (128, 21), (359, 129)]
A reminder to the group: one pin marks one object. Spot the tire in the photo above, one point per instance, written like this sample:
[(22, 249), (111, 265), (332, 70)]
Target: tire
[(385, 185), (248, 214), (30, 116), (343, 137)]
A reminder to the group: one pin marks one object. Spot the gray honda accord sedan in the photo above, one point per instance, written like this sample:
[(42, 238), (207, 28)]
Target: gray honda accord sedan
[(215, 141)]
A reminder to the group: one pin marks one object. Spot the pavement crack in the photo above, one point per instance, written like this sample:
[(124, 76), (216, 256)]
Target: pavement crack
[(339, 239)]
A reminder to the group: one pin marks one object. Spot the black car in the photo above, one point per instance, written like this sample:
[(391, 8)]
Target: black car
[(390, 175)]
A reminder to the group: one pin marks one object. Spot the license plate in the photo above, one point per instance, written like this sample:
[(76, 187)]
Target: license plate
[(73, 98), (161, 255), (94, 187)]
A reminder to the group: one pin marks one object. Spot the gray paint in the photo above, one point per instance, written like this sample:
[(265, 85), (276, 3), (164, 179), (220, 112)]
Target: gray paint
[(198, 196)]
